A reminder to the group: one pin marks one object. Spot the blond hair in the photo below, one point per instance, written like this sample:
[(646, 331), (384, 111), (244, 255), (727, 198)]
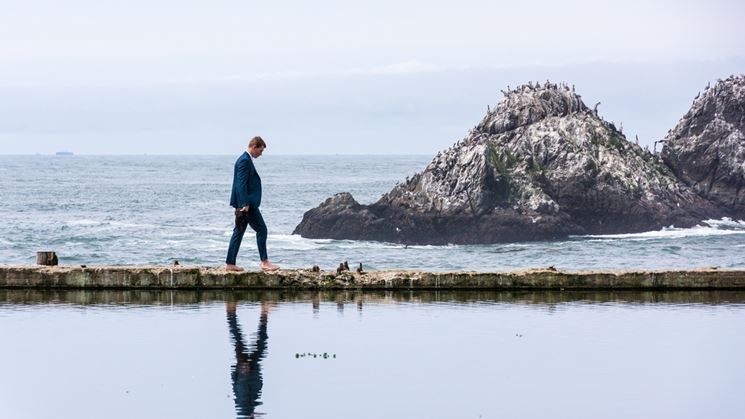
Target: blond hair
[(256, 142)]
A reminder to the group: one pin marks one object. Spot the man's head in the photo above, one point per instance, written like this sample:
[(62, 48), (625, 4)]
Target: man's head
[(256, 146)]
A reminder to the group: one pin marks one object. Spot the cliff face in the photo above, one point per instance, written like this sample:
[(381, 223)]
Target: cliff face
[(706, 150), (540, 165)]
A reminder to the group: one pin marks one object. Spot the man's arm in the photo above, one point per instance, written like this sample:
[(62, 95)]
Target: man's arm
[(243, 173)]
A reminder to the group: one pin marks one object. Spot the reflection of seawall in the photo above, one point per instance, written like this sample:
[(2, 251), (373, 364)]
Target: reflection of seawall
[(201, 278), (187, 299)]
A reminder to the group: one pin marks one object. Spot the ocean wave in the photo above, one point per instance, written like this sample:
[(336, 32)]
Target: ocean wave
[(122, 224), (285, 241), (109, 225), (726, 223), (425, 246), (295, 242), (83, 222), (373, 245), (723, 227)]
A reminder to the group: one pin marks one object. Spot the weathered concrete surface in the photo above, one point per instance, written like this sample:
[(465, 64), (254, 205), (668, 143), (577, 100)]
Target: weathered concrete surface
[(184, 277)]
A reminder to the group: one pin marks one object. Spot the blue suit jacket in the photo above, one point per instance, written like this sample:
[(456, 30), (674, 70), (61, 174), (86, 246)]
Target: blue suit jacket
[(246, 184)]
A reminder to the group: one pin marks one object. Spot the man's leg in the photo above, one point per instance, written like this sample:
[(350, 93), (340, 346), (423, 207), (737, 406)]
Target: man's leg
[(241, 221), (256, 221)]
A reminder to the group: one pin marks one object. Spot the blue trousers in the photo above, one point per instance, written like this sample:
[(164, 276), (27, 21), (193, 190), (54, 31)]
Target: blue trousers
[(252, 218)]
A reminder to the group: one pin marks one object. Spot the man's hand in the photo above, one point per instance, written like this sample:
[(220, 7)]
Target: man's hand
[(245, 209)]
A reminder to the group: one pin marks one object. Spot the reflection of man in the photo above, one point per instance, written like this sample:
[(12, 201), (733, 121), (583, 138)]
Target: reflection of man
[(246, 373), (246, 198)]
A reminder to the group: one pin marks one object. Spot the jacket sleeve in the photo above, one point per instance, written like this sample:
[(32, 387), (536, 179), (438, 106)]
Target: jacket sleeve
[(243, 174)]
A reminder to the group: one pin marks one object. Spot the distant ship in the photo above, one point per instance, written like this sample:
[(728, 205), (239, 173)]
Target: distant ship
[(65, 153)]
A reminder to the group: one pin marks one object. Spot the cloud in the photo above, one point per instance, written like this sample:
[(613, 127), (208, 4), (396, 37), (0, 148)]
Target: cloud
[(410, 67), (401, 68)]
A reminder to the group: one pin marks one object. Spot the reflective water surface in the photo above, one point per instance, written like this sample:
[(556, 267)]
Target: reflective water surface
[(145, 354)]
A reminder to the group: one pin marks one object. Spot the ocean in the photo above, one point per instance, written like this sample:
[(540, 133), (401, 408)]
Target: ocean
[(132, 210)]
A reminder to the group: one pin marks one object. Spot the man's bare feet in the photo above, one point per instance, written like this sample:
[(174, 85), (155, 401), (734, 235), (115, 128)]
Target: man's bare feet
[(234, 268), (267, 266)]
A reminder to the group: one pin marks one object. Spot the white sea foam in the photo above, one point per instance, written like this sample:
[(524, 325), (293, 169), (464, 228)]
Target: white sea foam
[(110, 225), (285, 241), (725, 226), (214, 228), (726, 223), (83, 222), (291, 242), (295, 242), (215, 244), (427, 246), (134, 225)]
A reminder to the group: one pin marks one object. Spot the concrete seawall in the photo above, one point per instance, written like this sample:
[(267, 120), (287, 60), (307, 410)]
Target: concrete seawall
[(185, 277)]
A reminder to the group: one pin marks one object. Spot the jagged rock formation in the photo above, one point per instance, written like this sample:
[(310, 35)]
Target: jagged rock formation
[(539, 165), (706, 150)]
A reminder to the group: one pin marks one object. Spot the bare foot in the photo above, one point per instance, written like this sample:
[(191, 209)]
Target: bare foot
[(267, 266), (234, 268)]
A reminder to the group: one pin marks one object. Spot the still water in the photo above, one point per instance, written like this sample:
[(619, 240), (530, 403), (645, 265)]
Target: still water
[(136, 354)]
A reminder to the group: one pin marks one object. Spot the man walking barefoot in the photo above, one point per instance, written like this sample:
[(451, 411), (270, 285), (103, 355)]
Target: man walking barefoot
[(246, 198)]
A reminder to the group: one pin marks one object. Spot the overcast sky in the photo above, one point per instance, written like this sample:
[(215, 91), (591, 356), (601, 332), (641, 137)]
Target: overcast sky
[(101, 77)]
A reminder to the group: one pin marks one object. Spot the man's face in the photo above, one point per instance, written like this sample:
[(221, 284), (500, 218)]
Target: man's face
[(255, 152)]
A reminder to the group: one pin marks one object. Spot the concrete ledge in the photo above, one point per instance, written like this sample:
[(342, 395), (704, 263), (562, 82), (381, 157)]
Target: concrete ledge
[(185, 277)]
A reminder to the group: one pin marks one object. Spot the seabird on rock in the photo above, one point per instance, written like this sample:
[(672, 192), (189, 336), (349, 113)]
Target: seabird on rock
[(344, 266), (655, 144)]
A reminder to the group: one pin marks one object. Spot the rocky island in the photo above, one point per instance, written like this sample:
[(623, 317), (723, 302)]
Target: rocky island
[(543, 165), (706, 150)]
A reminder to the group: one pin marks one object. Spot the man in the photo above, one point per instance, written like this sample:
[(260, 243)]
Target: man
[(246, 198)]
